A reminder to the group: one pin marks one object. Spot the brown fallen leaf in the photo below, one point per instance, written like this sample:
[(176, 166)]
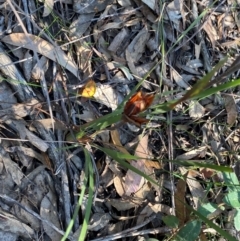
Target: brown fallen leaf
[(180, 201), (133, 181), (153, 208), (207, 172), (119, 185), (231, 109), (211, 32), (48, 124), (197, 191), (116, 141)]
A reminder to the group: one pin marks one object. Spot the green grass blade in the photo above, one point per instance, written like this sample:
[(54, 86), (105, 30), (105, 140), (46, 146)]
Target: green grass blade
[(196, 91), (199, 163), (163, 108), (88, 162), (97, 125), (214, 90), (117, 154), (223, 233), (76, 211)]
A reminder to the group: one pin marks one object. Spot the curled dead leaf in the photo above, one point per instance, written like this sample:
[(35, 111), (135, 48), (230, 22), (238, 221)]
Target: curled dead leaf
[(136, 104)]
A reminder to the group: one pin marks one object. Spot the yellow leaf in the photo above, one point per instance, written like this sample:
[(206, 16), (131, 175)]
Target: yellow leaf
[(88, 90)]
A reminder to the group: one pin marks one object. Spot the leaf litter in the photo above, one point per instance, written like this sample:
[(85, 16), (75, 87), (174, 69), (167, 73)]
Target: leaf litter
[(112, 46)]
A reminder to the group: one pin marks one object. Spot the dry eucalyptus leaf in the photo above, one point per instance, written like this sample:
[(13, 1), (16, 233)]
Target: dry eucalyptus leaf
[(48, 124), (26, 216), (144, 69), (17, 52), (113, 25), (197, 50), (197, 191), (116, 141), (124, 3), (105, 94), (48, 7), (138, 44), (84, 52), (79, 26), (180, 201), (48, 211), (101, 50), (9, 69), (117, 41), (130, 62), (179, 79), (93, 6), (207, 173), (40, 68), (99, 221), (9, 183), (191, 154), (6, 93), (153, 208), (133, 181), (87, 116), (28, 65), (187, 69), (144, 192), (11, 167), (231, 109), (43, 47), (196, 110), (17, 111), (10, 224), (28, 152), (147, 13), (38, 190), (24, 133), (104, 136), (119, 185), (211, 31), (150, 3), (121, 205), (106, 178), (173, 13)]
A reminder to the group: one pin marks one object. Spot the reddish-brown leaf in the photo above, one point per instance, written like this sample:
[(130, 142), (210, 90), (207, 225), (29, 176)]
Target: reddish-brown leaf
[(138, 103)]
